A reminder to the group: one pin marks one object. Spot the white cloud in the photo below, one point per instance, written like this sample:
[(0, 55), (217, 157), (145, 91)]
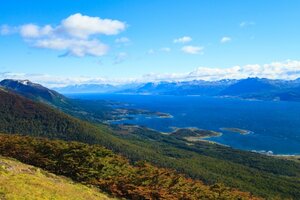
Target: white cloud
[(74, 35), (83, 26), (287, 70), (34, 31), (165, 49), (122, 40), (244, 24), (192, 49), (52, 81), (225, 39), (30, 30), (184, 39), (121, 57), (74, 47), (275, 70)]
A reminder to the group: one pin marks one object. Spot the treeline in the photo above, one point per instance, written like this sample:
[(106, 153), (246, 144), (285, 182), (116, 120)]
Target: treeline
[(97, 166)]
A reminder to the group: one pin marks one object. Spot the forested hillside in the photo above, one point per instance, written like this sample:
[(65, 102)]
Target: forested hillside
[(97, 166), (23, 116)]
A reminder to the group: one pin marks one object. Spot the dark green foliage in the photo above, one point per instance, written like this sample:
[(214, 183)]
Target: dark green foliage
[(23, 116), (260, 174), (100, 167)]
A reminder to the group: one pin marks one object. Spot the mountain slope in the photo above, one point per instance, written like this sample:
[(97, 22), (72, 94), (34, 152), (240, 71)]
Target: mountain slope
[(97, 166), (38, 93), (21, 181), (249, 86), (23, 116), (34, 91), (181, 88)]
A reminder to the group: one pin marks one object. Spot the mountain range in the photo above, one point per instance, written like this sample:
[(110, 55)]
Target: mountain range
[(250, 88)]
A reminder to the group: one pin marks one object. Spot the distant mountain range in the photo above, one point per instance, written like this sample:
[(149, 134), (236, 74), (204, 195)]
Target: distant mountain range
[(95, 88), (250, 88)]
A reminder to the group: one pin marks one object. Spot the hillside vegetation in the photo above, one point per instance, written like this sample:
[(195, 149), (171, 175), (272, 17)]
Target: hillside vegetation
[(251, 172), (95, 165), (21, 181)]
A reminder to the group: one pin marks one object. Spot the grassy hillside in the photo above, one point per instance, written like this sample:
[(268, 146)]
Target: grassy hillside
[(262, 175), (95, 165), (21, 181)]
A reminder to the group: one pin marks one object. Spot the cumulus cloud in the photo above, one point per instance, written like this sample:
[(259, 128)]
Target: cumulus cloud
[(287, 70), (184, 39), (34, 31), (83, 26), (74, 47), (275, 70), (225, 39), (75, 35), (192, 49)]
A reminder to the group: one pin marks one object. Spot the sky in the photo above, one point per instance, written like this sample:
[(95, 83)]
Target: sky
[(62, 42)]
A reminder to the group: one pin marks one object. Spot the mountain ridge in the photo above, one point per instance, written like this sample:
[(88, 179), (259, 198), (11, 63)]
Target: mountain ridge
[(33, 91), (256, 88)]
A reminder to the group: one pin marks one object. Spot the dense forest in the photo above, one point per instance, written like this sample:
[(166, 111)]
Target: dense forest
[(261, 175), (97, 166)]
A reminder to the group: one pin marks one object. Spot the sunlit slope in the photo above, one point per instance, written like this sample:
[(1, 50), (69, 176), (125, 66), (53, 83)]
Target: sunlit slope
[(21, 181)]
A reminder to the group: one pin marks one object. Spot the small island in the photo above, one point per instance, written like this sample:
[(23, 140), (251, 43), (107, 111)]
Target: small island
[(236, 130), (194, 134), (119, 114)]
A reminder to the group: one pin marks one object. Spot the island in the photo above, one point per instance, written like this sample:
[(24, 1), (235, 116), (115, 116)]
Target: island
[(193, 134), (236, 130)]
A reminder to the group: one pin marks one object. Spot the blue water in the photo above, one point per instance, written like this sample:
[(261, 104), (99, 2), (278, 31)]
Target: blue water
[(274, 126)]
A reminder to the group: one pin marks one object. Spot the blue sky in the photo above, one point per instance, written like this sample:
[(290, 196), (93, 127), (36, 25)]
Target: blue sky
[(169, 38)]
